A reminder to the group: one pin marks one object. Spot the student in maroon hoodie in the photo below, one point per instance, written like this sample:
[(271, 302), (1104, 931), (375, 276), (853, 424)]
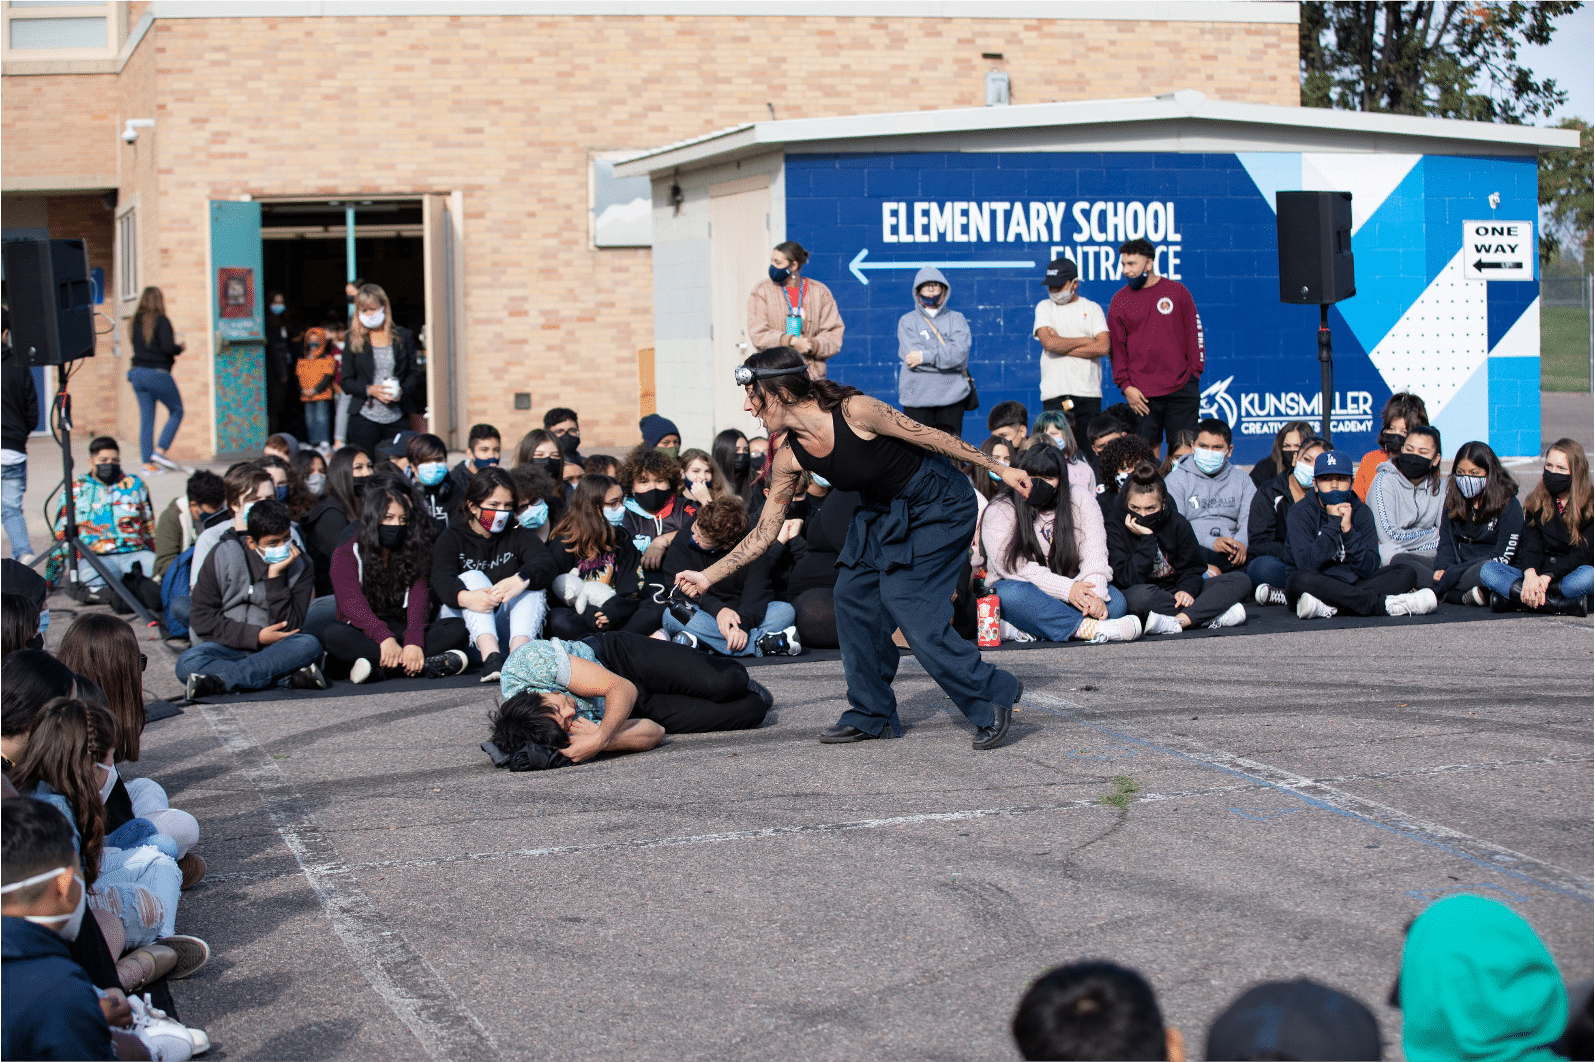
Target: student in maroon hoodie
[(1156, 345)]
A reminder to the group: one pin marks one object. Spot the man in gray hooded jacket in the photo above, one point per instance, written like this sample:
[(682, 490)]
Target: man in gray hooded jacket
[(933, 345), (1215, 496)]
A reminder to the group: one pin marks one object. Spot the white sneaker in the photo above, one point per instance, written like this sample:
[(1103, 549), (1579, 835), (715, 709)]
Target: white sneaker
[(167, 1040), (1009, 633), (360, 671), (1475, 597), (1417, 603), (1309, 607), (1127, 629), (1157, 623), (1233, 616), (1269, 595)]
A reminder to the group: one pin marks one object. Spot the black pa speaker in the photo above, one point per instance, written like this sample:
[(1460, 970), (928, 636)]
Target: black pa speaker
[(1315, 247), (52, 303)]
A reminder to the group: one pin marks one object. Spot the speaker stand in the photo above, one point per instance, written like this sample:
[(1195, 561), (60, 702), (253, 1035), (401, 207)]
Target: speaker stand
[(70, 545), (1326, 364)]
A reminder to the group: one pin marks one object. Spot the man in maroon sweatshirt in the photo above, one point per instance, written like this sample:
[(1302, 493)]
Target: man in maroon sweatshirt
[(1156, 346)]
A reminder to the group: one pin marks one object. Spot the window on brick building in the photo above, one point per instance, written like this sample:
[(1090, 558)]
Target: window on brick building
[(62, 29), (127, 255)]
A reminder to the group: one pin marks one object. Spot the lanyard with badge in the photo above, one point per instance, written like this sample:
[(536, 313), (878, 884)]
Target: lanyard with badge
[(794, 314)]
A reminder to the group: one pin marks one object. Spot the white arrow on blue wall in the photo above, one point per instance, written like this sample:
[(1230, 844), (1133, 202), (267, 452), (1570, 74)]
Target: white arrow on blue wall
[(858, 265)]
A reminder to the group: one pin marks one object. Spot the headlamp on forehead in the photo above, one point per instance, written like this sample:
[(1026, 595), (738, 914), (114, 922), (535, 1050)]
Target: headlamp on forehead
[(745, 375)]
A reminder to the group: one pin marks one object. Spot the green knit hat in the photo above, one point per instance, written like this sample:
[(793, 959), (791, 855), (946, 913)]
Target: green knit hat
[(1478, 986)]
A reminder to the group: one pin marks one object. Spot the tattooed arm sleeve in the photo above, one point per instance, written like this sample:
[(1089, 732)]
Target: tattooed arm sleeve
[(880, 418), (783, 478)]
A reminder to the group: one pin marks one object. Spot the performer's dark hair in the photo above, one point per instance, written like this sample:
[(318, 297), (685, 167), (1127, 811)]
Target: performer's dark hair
[(527, 716), (1064, 555), (795, 386)]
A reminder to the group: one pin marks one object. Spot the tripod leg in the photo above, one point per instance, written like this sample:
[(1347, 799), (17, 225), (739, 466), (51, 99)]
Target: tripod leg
[(115, 584)]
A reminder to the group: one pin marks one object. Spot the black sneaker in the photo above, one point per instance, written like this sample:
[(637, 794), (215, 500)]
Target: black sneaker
[(308, 677), (203, 686), (444, 664), (779, 643), (492, 667), (758, 690)]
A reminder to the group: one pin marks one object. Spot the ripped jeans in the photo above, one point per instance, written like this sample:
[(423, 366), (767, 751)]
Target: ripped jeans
[(520, 617)]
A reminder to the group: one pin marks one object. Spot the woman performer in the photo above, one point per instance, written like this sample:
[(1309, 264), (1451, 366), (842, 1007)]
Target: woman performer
[(905, 548)]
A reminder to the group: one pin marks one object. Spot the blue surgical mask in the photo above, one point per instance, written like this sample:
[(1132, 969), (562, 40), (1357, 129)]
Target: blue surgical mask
[(1335, 497), (282, 492), (1058, 441), (276, 554), (1304, 475), (779, 275), (533, 516), (278, 307), (1208, 461), (431, 473), (995, 478), (44, 621), (819, 480), (615, 515)]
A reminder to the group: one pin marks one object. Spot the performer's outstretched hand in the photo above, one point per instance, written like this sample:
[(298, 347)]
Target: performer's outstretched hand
[(1017, 479), (693, 584)]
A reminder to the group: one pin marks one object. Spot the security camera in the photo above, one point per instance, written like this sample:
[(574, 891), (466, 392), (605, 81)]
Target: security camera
[(130, 134), (130, 130)]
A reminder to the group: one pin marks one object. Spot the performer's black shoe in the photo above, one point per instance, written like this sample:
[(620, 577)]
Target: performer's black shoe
[(989, 737), (842, 734)]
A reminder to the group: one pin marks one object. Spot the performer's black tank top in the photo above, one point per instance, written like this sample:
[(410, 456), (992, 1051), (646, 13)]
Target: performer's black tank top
[(877, 468)]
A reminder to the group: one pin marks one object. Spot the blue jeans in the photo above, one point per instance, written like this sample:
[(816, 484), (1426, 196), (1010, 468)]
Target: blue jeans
[(1580, 582), (778, 616), (13, 483), (119, 563), (318, 421), (241, 669), (151, 386), (1270, 570), (1037, 612)]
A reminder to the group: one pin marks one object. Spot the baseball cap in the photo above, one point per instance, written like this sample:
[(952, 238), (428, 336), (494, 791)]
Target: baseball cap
[(1294, 1019), (1334, 463), (1059, 272), (395, 445)]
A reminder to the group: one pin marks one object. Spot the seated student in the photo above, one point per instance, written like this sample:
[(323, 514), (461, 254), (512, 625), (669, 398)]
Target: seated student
[(565, 426), (1295, 1019), (655, 507), (491, 572), (1552, 571), (1159, 565), (249, 606), (281, 446), (381, 578), (734, 461), (1008, 420), (288, 486), (1401, 413), (659, 433), (312, 469), (1181, 445), (428, 459), (246, 483), (679, 689), (482, 449), (114, 515), (1333, 553), (1054, 425), (1267, 526), (1477, 983), (1103, 429), (601, 580), (1115, 462), (538, 447), (19, 623), (808, 577), (738, 616), (1407, 497), (1215, 496), (1047, 557), (1482, 521), (539, 500), (1282, 458), (324, 525), (701, 479), (987, 485), (29, 680), (181, 522), (601, 465), (1094, 1010), (395, 448), (758, 447)]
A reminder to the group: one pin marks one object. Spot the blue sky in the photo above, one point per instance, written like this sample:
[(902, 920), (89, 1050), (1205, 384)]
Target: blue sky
[(1568, 58)]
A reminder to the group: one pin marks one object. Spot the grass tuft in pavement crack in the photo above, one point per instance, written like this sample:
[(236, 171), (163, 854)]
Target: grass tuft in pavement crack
[(1124, 788)]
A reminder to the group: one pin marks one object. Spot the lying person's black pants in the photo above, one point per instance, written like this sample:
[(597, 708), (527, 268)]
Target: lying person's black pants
[(1365, 597), (680, 688), (346, 643), (1217, 596)]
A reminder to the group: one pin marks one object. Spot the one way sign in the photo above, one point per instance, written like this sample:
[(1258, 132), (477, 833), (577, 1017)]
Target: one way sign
[(1498, 250)]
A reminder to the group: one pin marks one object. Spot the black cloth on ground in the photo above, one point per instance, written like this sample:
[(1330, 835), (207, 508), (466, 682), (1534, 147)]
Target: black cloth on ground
[(624, 614), (1365, 597)]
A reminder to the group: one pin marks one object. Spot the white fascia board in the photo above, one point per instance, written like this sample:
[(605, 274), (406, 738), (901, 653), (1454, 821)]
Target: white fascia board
[(1271, 12)]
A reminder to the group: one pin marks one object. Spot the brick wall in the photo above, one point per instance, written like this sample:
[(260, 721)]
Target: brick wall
[(56, 125)]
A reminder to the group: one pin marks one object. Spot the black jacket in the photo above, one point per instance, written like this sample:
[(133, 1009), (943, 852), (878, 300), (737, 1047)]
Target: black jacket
[(1464, 542), (516, 551), (322, 529), (812, 554), (748, 591), (1316, 543), (19, 401), (359, 368), (1264, 470), (159, 352), (440, 501), (1265, 524), (1548, 548), (1135, 557)]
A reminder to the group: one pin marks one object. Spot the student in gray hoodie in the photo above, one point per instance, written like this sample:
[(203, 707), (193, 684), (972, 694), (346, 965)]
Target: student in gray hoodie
[(933, 345), (1215, 496), (1407, 497)]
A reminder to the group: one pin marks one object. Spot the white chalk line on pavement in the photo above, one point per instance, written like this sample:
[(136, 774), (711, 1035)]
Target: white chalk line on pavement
[(1320, 794), (399, 975)]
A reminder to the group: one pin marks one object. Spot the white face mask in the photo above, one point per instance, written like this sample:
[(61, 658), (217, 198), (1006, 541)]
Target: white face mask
[(74, 921), (1063, 296), (110, 782), (373, 319)]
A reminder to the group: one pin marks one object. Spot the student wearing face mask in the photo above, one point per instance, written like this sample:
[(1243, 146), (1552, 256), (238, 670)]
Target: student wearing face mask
[(493, 572), (483, 448), (539, 501), (933, 344), (563, 424), (181, 522), (1553, 569), (379, 369), (1401, 413), (1406, 498), (323, 528), (429, 465), (250, 602), (660, 433), (734, 459), (1334, 553), (317, 372), (1215, 496), (701, 481), (115, 518), (655, 508), (1268, 529), (788, 309), (1482, 521), (1159, 565), (1157, 346), (601, 581), (1281, 459), (1073, 333), (1116, 461), (539, 447), (739, 615)]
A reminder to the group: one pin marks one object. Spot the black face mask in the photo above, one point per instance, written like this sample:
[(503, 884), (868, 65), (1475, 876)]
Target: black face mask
[(108, 472), (1391, 441), (1558, 483), (1413, 466), (1154, 521), (651, 500), (741, 463), (1137, 283), (555, 467), (570, 441), (1043, 495), (1287, 460), (360, 485), (390, 535)]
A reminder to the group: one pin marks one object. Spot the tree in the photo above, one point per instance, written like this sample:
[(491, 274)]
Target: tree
[(1566, 199), (1450, 60)]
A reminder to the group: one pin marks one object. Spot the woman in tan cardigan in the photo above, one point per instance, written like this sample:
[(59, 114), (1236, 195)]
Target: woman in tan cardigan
[(790, 310)]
